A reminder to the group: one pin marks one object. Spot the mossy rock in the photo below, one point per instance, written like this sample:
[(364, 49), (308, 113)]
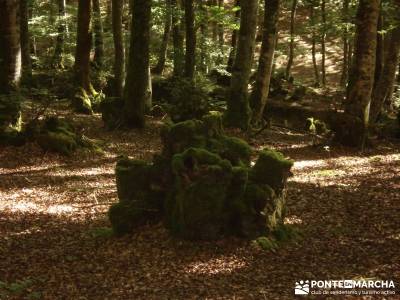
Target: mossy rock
[(58, 135), (127, 216), (133, 179), (271, 168), (197, 207), (63, 143), (180, 136)]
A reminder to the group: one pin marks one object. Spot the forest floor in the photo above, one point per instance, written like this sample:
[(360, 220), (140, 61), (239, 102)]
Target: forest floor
[(55, 241)]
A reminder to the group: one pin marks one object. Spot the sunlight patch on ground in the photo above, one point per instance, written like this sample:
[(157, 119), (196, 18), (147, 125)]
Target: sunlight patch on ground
[(222, 265)]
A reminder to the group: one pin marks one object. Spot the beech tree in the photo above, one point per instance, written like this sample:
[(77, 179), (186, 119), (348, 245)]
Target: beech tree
[(190, 56), (261, 88), (83, 47), (137, 89), (361, 80), (238, 110), (98, 34), (162, 55), (25, 38), (119, 50), (10, 50)]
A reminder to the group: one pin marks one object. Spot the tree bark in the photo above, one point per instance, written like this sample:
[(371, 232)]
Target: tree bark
[(98, 34), (137, 94), (261, 89), (238, 112), (345, 38), (314, 44), (323, 42), (119, 50), (190, 55), (83, 46), (385, 85), (25, 39), (10, 50), (234, 38), (291, 43), (361, 80), (178, 38), (162, 55), (59, 48), (380, 51)]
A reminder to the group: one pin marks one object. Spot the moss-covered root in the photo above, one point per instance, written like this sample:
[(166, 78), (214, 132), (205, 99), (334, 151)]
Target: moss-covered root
[(81, 102), (273, 169)]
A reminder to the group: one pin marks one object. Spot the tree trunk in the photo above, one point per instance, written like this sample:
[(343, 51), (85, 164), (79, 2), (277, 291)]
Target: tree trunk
[(314, 44), (83, 46), (323, 42), (261, 89), (385, 85), (59, 48), (190, 56), (291, 43), (178, 38), (136, 94), (203, 65), (25, 39), (98, 35), (234, 38), (361, 81), (162, 55), (238, 112), (10, 50), (119, 50), (380, 51), (221, 40), (345, 38)]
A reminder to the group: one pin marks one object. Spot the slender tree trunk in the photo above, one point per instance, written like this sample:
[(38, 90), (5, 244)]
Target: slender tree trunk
[(292, 35), (178, 38), (261, 89), (109, 15), (345, 38), (98, 34), (119, 50), (162, 55), (59, 48), (234, 40), (203, 39), (190, 56), (238, 112), (10, 50), (323, 42), (137, 94), (361, 80), (380, 51), (221, 40), (314, 44), (83, 46), (385, 85), (25, 39)]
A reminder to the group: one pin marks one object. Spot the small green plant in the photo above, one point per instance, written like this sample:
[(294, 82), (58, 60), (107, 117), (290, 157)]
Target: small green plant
[(101, 232)]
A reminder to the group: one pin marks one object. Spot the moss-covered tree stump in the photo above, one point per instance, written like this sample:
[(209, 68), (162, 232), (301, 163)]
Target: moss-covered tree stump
[(202, 185)]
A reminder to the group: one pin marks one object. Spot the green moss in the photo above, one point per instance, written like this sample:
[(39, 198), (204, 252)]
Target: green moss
[(133, 179), (197, 207), (213, 124), (81, 102), (125, 217), (58, 142), (180, 136), (271, 168), (266, 243)]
